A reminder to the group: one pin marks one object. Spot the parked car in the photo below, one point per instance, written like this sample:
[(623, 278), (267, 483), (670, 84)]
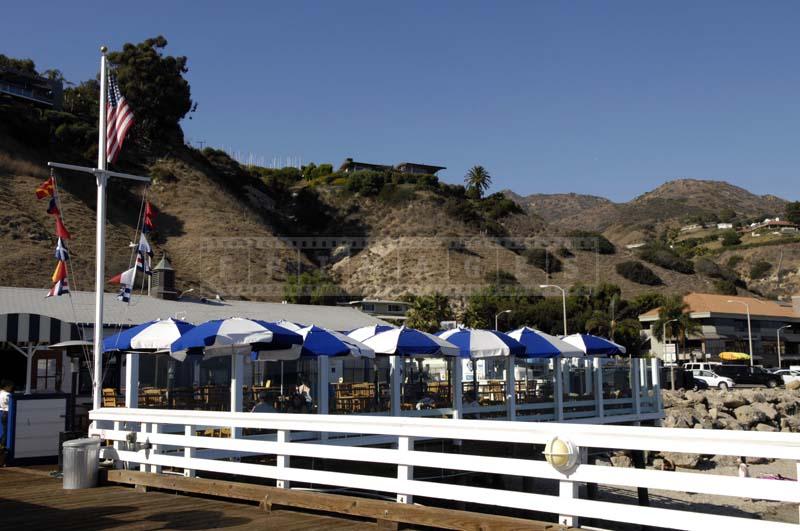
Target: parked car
[(697, 384), (713, 379), (788, 375), (747, 375)]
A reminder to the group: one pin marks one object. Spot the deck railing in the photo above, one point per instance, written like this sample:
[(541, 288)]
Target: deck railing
[(152, 439)]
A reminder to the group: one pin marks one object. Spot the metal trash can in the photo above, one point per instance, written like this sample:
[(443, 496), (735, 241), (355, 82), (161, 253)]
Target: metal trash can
[(81, 462)]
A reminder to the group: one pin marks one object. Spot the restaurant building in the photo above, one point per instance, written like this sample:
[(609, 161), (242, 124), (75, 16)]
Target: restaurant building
[(723, 327)]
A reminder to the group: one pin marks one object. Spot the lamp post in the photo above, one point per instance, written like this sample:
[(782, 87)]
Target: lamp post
[(749, 330), (778, 344), (563, 301), (664, 337), (498, 315)]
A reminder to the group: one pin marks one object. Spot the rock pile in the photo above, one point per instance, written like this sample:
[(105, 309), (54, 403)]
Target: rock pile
[(738, 409)]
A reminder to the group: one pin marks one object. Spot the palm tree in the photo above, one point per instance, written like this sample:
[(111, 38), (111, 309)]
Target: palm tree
[(478, 179), (674, 313)]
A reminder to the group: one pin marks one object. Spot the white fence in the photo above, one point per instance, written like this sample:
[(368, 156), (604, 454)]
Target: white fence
[(171, 438)]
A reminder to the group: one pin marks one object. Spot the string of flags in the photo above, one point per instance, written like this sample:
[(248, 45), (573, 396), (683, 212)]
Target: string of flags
[(144, 255), (60, 278)]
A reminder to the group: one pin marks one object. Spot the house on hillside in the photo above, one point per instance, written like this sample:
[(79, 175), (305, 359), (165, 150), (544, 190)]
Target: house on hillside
[(722, 321), (411, 168), (31, 88), (771, 226), (383, 309)]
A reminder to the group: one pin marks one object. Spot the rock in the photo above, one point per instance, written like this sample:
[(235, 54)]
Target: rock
[(749, 416), (725, 460), (753, 396), (731, 401), (622, 460), (766, 409), (700, 410), (681, 460), (731, 424), (764, 427), (679, 418), (713, 413), (696, 397), (793, 386)]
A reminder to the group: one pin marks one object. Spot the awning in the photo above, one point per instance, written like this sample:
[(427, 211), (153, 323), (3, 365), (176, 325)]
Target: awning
[(22, 328)]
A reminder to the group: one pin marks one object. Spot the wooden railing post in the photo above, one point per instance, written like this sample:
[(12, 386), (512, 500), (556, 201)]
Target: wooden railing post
[(458, 389), (558, 399), (237, 394), (655, 376), (511, 388), (283, 436), (131, 380), (143, 430), (636, 389), (154, 448), (405, 472), (188, 451), (588, 371), (396, 377), (597, 363), (568, 490)]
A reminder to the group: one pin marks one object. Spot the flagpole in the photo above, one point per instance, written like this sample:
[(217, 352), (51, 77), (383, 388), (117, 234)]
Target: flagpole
[(99, 278)]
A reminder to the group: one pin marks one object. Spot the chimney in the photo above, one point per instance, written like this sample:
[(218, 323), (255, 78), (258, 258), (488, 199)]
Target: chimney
[(163, 286)]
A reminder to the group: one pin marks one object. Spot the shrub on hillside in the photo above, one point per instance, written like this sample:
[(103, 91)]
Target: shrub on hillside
[(734, 261), (498, 206), (725, 287), (500, 278), (543, 259), (392, 193), (730, 238), (639, 273), (760, 269), (366, 182), (707, 267), (665, 257), (591, 241)]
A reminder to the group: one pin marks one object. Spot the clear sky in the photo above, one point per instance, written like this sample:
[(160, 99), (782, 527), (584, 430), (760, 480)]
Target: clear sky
[(603, 97)]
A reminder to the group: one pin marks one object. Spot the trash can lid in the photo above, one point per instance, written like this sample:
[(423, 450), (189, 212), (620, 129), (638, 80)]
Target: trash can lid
[(79, 443)]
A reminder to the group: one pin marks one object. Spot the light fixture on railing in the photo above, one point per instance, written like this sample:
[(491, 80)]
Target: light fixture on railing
[(562, 455)]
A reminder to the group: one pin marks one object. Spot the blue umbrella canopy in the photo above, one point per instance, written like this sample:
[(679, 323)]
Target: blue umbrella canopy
[(238, 336), (475, 343), (155, 336), (323, 342), (540, 345), (408, 342), (594, 345)]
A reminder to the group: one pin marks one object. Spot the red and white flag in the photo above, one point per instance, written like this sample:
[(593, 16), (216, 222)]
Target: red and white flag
[(119, 118)]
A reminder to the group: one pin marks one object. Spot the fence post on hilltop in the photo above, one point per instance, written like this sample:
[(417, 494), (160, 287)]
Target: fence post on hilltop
[(597, 363), (405, 472), (284, 436), (188, 451)]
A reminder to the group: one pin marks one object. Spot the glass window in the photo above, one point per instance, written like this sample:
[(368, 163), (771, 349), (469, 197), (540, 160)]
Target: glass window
[(368, 307)]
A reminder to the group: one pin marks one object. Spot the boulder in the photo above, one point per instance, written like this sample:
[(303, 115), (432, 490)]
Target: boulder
[(764, 427), (696, 397), (749, 416), (730, 424), (793, 386), (622, 460), (725, 460), (732, 401), (700, 410), (766, 409), (679, 418), (682, 460)]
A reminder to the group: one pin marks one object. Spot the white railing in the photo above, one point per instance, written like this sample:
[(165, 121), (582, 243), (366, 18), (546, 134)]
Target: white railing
[(170, 438)]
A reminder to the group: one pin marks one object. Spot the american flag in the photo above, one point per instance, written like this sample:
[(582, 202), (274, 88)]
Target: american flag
[(119, 118)]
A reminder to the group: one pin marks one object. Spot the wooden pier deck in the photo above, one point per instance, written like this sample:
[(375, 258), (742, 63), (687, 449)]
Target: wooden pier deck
[(31, 500)]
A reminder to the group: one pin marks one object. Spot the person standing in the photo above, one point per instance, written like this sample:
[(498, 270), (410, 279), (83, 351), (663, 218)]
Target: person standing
[(6, 388)]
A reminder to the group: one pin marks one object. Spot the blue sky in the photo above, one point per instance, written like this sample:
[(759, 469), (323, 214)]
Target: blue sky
[(608, 98)]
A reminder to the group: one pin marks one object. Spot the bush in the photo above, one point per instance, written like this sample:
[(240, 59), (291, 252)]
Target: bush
[(392, 193), (734, 261), (730, 238), (500, 278), (708, 267), (498, 206), (591, 241), (366, 182), (725, 287), (639, 273), (665, 257), (760, 269), (543, 259)]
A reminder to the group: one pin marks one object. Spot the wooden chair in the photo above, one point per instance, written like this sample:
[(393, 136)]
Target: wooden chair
[(109, 397)]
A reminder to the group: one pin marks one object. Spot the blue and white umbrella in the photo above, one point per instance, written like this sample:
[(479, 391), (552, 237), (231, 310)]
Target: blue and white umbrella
[(360, 334), (408, 342), (155, 336), (540, 345), (594, 345), (323, 342), (238, 336), (475, 343)]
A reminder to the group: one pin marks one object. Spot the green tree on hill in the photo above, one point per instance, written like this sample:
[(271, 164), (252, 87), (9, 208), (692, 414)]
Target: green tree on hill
[(478, 180), (674, 316), (428, 311), (793, 212)]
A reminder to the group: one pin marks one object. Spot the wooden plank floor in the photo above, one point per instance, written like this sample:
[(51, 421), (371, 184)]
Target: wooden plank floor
[(31, 500)]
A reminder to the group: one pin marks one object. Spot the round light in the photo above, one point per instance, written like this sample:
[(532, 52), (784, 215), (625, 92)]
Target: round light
[(562, 455)]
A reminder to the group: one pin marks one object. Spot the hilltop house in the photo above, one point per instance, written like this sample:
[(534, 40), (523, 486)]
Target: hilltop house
[(771, 225), (31, 87), (383, 309), (723, 327), (413, 168)]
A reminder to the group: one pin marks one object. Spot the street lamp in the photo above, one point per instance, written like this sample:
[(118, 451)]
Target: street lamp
[(563, 301), (749, 330), (664, 338), (779, 344), (498, 315)]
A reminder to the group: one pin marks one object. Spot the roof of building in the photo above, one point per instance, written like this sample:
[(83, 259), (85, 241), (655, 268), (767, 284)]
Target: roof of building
[(378, 301), (432, 167), (705, 304), (78, 308)]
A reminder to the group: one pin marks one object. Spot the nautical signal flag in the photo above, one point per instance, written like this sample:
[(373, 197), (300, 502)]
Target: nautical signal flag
[(60, 281), (61, 251), (52, 208), (125, 280), (148, 218), (46, 189), (119, 118), (143, 255), (61, 230)]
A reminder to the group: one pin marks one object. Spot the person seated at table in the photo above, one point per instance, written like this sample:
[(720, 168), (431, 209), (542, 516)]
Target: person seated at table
[(304, 390), (426, 402), (262, 406)]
